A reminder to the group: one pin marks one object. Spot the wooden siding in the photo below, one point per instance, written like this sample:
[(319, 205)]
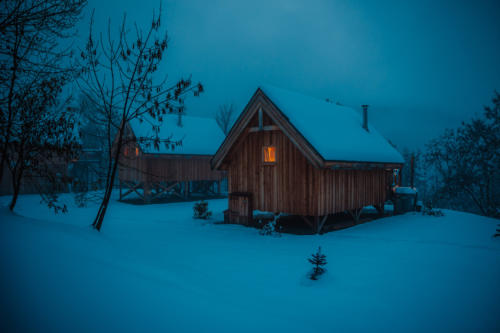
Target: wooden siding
[(157, 168), (293, 185)]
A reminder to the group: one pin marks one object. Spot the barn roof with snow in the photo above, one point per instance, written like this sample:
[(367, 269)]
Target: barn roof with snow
[(326, 132), (198, 135)]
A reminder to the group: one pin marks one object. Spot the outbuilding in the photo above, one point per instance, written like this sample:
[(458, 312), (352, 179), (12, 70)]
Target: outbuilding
[(170, 158), (295, 154)]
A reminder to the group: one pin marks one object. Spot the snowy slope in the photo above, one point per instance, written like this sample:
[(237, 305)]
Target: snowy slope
[(335, 131), (199, 136), (154, 268)]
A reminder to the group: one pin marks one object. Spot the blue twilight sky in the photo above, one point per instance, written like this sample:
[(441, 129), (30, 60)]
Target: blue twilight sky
[(421, 65)]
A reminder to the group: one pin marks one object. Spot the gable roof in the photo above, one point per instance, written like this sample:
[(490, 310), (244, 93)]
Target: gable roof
[(322, 131), (199, 136)]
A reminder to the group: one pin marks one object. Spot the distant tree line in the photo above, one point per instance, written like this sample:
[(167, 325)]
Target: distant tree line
[(461, 168)]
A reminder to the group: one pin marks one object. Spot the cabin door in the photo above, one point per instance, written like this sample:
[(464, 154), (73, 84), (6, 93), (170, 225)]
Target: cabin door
[(241, 207)]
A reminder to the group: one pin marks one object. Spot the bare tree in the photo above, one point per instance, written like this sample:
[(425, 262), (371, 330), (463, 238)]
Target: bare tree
[(30, 36), (224, 117), (44, 141), (119, 78)]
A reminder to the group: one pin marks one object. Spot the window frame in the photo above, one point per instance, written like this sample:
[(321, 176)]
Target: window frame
[(264, 148)]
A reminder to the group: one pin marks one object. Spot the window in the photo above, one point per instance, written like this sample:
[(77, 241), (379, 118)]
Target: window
[(125, 151), (136, 151), (269, 154)]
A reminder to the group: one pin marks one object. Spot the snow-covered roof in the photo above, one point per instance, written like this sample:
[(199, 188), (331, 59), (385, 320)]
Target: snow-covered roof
[(335, 131), (405, 190), (199, 136)]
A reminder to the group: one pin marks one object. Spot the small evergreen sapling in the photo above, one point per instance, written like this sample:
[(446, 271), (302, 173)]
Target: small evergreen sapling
[(318, 260), (201, 210)]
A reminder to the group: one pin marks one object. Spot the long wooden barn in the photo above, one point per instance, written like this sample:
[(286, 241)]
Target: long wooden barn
[(170, 158), (294, 154)]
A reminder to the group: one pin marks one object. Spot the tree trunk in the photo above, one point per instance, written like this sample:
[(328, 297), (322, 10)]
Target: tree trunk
[(105, 201), (10, 100), (109, 185), (16, 187), (2, 161), (102, 211), (15, 195)]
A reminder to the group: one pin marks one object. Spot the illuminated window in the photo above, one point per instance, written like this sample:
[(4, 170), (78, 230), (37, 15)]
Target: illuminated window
[(269, 154), (125, 151), (136, 151)]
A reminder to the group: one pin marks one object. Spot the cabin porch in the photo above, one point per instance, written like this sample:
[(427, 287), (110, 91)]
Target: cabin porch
[(161, 190)]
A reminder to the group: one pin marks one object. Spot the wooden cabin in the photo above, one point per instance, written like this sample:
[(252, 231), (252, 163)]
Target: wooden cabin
[(170, 158), (294, 154)]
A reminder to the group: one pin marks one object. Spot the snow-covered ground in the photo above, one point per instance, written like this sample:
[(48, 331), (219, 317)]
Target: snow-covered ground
[(154, 268)]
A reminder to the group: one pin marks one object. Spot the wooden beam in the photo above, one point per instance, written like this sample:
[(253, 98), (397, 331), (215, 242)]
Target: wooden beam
[(309, 223), (264, 128), (133, 188), (355, 214), (157, 193), (261, 119), (146, 189), (347, 165), (321, 224), (168, 188)]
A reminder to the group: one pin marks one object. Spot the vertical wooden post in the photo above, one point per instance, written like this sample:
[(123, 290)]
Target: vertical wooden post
[(261, 120), (146, 190), (120, 190), (186, 190), (250, 208), (412, 170)]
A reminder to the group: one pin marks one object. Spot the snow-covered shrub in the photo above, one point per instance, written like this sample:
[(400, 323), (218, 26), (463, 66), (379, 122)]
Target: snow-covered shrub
[(271, 229), (81, 199), (201, 210), (428, 210), (52, 202), (318, 260)]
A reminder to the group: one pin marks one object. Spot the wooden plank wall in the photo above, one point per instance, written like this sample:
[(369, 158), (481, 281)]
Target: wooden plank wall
[(293, 185), (154, 168)]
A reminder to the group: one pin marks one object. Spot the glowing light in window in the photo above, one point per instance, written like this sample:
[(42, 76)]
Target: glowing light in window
[(269, 154)]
